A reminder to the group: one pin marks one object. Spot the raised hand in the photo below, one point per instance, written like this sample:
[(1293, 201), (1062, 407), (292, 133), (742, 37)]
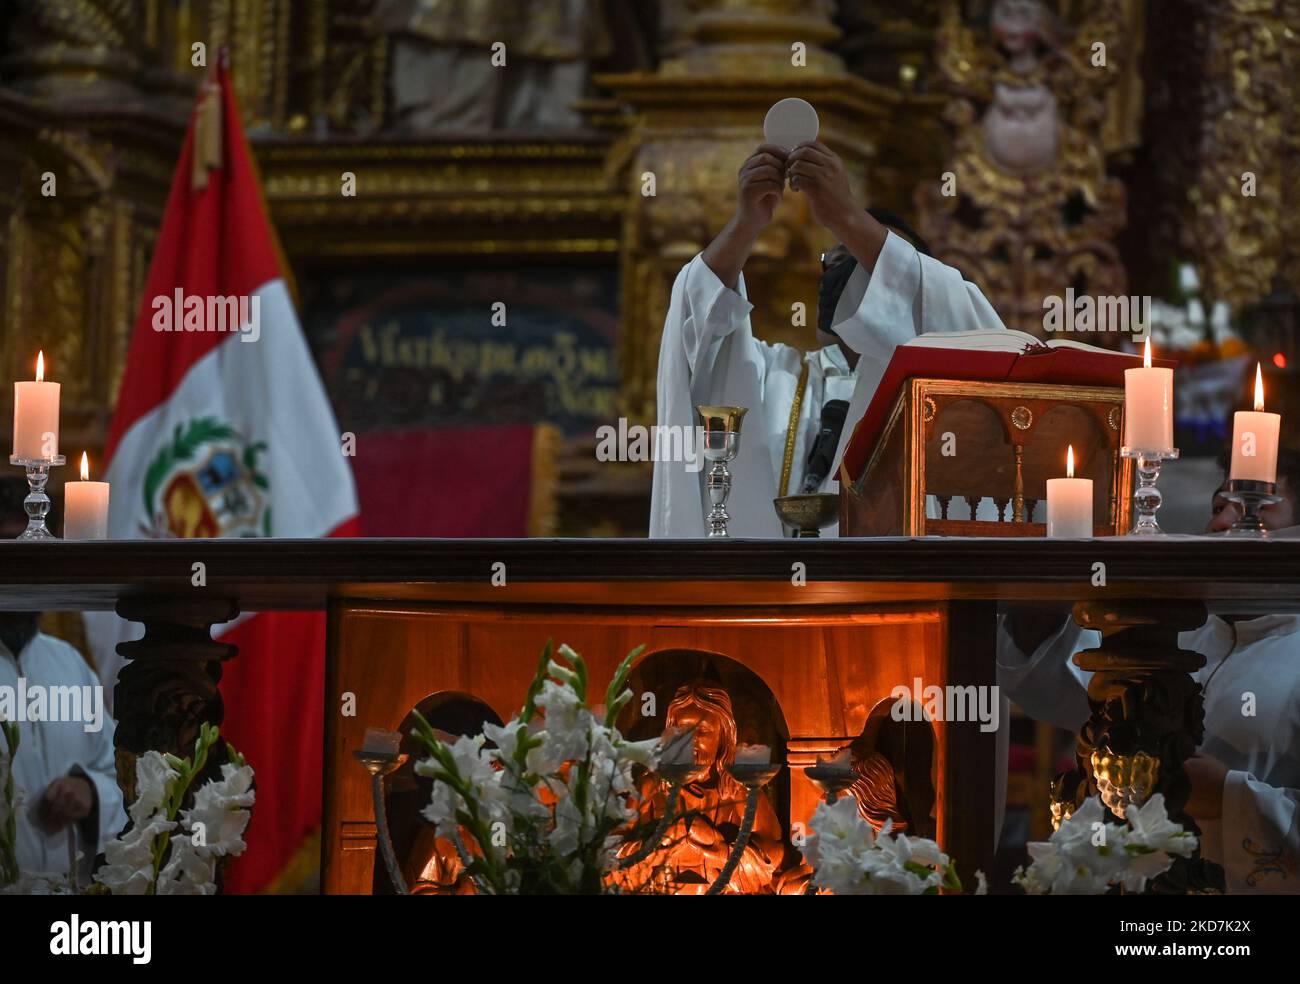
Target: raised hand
[(817, 171), (762, 182)]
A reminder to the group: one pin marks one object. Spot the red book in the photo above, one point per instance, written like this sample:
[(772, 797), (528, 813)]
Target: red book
[(989, 356)]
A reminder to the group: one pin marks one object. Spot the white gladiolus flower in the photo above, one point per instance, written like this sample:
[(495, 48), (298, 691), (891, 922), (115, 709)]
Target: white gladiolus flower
[(849, 858), (1076, 861), (1151, 828), (222, 808), (567, 805), (190, 870), (153, 784), (128, 867)]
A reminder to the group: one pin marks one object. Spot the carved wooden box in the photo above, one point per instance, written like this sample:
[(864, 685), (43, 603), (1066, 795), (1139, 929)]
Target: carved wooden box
[(972, 458)]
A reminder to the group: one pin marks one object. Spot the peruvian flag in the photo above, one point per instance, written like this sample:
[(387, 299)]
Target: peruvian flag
[(222, 428)]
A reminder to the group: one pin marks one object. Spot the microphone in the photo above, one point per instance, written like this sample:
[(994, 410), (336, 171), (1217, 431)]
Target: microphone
[(820, 460)]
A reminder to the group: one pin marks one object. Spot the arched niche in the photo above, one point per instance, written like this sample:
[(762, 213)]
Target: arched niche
[(414, 841), (901, 752), (976, 460)]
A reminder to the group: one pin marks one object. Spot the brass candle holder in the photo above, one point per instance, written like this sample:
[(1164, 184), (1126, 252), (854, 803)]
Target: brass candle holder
[(809, 513)]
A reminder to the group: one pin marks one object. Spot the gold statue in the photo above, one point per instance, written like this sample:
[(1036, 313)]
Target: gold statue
[(876, 791), (711, 805)]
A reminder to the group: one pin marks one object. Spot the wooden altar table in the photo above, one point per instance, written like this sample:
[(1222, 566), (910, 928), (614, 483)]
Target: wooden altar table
[(411, 618)]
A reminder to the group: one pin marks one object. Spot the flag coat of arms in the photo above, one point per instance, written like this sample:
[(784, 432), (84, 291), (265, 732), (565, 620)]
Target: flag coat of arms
[(222, 428)]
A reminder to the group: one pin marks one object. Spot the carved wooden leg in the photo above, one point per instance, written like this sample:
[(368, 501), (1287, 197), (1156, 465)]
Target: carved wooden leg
[(1147, 719), (168, 687)]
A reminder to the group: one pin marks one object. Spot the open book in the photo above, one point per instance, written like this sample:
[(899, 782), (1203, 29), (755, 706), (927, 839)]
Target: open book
[(998, 355), (1003, 340)]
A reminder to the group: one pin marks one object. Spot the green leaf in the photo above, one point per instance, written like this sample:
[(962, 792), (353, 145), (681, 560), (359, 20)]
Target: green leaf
[(529, 710)]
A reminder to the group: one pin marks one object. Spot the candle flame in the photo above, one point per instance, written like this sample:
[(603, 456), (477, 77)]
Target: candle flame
[(1146, 353), (40, 366), (1259, 387), (1069, 461), (85, 467)]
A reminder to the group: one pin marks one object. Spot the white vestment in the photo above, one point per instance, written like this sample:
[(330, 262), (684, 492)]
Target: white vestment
[(49, 749), (1252, 725), (709, 355)]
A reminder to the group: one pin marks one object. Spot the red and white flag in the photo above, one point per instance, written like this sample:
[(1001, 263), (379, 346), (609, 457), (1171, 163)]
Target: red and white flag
[(222, 428)]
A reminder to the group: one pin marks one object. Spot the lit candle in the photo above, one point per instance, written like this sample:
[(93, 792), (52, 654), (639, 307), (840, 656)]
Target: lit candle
[(36, 416), (1254, 439), (1148, 406), (1069, 502), (85, 507), (753, 755)]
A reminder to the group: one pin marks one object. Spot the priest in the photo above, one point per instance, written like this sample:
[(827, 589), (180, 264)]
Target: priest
[(877, 290)]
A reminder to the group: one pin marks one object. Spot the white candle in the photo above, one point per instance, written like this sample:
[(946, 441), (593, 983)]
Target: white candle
[(1254, 439), (753, 755), (1069, 502), (1148, 406), (85, 507), (36, 416)]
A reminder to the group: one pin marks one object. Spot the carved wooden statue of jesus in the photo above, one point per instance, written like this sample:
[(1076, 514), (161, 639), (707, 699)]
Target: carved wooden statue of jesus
[(712, 805)]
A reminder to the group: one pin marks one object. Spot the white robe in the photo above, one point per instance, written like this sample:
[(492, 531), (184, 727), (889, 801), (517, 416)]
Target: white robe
[(709, 355), (1257, 839), (50, 749)]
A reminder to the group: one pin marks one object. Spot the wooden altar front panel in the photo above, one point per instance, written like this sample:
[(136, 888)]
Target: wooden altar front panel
[(826, 668)]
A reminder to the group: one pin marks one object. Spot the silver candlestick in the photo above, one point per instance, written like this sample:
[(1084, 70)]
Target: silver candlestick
[(721, 444), (1250, 495), (1146, 497), (37, 503), (675, 774), (753, 776), (832, 780), (380, 758)]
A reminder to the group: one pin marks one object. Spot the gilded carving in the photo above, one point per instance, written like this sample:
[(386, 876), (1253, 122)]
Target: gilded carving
[(1029, 210), (1243, 201)]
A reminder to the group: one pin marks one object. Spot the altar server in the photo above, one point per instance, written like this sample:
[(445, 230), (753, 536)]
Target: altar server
[(1245, 776), (876, 292)]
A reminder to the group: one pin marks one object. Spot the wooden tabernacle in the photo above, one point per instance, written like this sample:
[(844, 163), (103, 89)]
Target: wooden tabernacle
[(974, 440)]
